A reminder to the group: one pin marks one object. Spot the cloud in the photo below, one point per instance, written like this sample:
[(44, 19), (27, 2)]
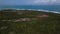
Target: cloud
[(41, 1), (44, 1), (28, 2)]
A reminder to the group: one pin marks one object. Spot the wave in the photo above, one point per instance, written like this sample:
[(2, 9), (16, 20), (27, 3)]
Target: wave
[(33, 10), (41, 10)]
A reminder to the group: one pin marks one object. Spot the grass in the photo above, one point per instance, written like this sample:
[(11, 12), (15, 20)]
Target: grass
[(49, 25)]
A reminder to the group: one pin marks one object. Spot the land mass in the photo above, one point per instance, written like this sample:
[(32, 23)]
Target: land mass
[(29, 22)]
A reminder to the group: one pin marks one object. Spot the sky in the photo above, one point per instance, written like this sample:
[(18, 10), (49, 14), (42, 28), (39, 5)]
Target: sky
[(29, 2)]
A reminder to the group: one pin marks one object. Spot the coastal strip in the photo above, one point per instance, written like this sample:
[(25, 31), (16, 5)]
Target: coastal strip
[(33, 10)]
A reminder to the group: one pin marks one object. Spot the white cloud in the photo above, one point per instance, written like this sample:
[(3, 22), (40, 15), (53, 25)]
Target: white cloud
[(58, 1), (39, 1), (44, 1), (28, 2)]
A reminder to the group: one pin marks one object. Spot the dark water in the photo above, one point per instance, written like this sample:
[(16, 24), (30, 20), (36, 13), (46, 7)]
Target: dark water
[(44, 7)]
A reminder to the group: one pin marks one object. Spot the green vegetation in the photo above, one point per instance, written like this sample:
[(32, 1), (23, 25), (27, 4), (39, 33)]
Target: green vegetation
[(40, 25)]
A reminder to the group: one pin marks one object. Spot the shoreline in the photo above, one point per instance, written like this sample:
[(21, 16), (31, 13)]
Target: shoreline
[(32, 10)]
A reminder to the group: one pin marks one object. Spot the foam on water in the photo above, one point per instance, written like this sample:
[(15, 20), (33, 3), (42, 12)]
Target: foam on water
[(34, 10), (40, 10)]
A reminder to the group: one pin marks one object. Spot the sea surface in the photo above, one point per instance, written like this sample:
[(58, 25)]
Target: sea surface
[(43, 7)]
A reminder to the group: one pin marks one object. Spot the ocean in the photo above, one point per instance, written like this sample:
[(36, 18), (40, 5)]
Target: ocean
[(43, 7)]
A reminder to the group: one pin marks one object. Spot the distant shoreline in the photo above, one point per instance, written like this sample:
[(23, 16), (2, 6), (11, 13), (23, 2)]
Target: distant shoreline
[(31, 9)]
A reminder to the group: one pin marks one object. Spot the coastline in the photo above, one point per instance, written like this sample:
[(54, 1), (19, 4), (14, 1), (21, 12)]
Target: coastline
[(40, 10), (32, 10), (23, 19)]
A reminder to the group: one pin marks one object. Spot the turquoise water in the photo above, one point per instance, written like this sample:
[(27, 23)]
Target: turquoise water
[(44, 7)]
